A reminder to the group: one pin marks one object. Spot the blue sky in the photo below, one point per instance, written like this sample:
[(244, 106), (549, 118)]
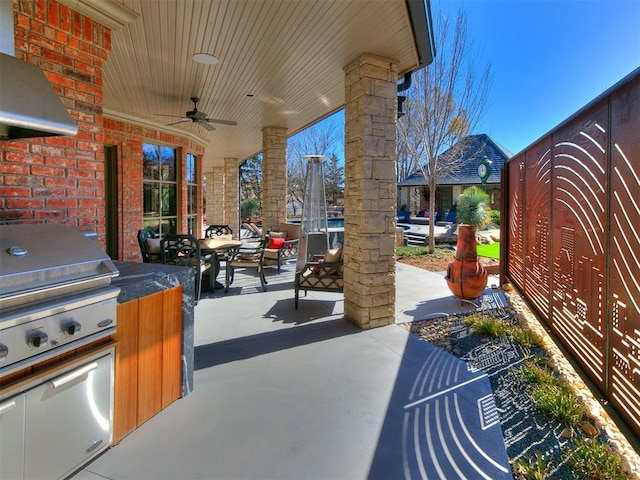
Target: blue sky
[(549, 58)]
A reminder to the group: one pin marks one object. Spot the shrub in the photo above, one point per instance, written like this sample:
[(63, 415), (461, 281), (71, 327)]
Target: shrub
[(473, 207), (590, 459), (533, 372), (249, 208), (527, 468), (525, 337), (415, 252), (559, 403), (495, 216), (551, 395), (486, 325)]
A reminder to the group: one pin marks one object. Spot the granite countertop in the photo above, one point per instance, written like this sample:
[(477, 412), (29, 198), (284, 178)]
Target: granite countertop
[(137, 280)]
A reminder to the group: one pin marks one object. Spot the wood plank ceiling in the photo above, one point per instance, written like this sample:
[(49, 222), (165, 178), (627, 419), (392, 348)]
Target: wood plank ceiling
[(280, 63)]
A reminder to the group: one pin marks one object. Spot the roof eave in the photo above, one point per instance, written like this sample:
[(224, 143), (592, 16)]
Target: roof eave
[(422, 28)]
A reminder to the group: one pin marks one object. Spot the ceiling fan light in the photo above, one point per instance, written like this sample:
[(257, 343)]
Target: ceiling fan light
[(205, 58)]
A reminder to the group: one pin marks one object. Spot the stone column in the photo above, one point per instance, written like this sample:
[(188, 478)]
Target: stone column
[(274, 177), (232, 195), (214, 196), (370, 191)]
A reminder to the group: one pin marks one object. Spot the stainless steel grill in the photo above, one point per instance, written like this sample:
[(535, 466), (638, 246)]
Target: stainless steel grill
[(55, 293), (55, 296)]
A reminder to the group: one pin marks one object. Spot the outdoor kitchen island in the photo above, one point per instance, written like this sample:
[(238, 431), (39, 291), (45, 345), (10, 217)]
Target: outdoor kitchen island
[(155, 341)]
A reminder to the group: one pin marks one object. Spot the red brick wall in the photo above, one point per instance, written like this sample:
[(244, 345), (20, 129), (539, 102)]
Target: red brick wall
[(59, 179), (128, 140)]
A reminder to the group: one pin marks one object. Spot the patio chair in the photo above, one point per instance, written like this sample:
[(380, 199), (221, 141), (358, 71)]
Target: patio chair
[(251, 231), (280, 250), (248, 255), (217, 231), (325, 275), (149, 242), (184, 250)]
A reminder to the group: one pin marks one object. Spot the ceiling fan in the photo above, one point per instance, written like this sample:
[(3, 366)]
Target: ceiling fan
[(198, 117)]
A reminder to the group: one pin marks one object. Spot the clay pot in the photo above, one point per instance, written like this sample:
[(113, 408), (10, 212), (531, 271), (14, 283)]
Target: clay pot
[(466, 278)]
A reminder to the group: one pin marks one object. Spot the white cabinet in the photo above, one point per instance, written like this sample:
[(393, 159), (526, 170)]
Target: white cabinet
[(12, 438), (58, 422)]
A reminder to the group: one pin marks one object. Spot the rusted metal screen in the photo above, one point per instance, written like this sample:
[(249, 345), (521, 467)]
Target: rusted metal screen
[(573, 232)]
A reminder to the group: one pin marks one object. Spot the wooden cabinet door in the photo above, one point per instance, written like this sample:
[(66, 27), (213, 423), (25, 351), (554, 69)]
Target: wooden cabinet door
[(125, 414), (150, 336), (148, 365), (171, 346)]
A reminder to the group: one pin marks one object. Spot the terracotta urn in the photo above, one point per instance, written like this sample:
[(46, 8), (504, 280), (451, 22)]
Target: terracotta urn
[(466, 278)]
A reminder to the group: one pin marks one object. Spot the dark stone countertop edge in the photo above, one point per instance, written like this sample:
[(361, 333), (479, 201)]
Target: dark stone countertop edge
[(138, 280)]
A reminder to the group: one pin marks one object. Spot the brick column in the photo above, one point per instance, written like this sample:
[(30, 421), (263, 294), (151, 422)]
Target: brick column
[(274, 177), (232, 195), (215, 196), (370, 191)]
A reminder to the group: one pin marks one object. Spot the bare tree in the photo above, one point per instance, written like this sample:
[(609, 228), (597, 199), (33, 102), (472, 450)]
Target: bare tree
[(319, 139), (444, 104)]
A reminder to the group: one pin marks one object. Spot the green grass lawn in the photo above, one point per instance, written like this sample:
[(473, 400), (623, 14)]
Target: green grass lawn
[(490, 251)]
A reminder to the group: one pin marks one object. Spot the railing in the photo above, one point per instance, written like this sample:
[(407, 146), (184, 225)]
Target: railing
[(571, 218)]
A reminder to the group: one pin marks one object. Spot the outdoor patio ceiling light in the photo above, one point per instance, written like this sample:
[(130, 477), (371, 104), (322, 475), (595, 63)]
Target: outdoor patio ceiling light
[(205, 58)]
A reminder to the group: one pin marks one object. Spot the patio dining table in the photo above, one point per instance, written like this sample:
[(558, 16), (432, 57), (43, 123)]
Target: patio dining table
[(212, 247)]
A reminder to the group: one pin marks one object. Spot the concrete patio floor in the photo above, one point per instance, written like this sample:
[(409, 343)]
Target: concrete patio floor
[(286, 394)]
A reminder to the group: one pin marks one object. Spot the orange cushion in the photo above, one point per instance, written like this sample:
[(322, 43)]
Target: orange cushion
[(276, 242)]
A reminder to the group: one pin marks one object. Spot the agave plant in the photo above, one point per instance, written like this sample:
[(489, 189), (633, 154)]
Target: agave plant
[(473, 207)]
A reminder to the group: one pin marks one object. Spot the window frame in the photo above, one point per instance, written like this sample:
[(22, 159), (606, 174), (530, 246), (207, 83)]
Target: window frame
[(158, 190)]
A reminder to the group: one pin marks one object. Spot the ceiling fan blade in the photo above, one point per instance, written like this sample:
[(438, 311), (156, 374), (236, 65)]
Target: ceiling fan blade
[(199, 115), (165, 115), (179, 121), (206, 126), (221, 122)]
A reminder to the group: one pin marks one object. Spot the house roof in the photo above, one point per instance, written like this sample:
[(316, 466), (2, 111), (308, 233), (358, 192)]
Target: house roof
[(280, 63), (479, 147)]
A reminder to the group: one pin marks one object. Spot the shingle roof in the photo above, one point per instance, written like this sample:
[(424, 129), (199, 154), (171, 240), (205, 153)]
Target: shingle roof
[(479, 147)]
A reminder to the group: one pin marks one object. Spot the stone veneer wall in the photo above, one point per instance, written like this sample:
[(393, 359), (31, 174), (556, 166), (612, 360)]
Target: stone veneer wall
[(274, 177), (232, 195), (215, 196), (370, 191), (59, 179)]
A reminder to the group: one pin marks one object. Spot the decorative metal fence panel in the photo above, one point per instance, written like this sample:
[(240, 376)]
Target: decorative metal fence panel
[(572, 225)]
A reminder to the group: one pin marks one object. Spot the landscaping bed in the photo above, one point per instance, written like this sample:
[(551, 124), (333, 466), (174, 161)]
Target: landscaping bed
[(553, 426)]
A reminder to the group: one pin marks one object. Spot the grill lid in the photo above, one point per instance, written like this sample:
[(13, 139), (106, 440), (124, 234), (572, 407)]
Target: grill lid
[(42, 260)]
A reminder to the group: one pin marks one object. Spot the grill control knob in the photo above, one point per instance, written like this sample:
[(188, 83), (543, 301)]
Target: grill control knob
[(4, 352), (71, 328), (37, 339)]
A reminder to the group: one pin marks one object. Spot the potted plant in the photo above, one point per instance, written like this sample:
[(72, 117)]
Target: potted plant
[(466, 278)]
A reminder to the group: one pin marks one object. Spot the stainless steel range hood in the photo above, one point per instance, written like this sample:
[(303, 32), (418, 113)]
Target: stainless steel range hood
[(29, 106)]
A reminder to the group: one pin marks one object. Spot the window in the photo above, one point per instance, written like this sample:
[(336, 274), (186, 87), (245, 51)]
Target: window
[(159, 188), (191, 181)]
